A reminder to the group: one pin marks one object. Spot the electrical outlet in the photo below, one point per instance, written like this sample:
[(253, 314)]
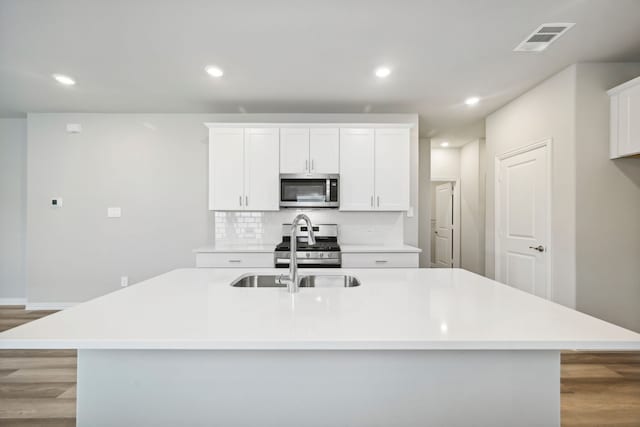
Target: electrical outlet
[(114, 212), (124, 281), (56, 202)]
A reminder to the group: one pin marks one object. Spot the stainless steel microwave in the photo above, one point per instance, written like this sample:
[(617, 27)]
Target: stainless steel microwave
[(309, 191)]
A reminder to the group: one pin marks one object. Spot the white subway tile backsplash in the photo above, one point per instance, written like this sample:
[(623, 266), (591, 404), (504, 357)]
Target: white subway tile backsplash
[(376, 228)]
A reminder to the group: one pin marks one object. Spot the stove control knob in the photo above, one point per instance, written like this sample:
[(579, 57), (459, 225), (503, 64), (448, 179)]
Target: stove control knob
[(308, 255), (321, 254)]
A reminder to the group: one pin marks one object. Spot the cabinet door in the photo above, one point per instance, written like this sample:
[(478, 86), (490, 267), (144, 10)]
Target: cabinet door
[(294, 150), (226, 189), (261, 169), (629, 121), (356, 169), (392, 169), (324, 150)]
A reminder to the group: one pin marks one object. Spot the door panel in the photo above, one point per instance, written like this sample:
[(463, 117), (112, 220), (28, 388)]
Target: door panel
[(392, 161), (356, 169), (261, 169), (226, 156), (324, 150), (523, 220), (294, 150), (444, 225)]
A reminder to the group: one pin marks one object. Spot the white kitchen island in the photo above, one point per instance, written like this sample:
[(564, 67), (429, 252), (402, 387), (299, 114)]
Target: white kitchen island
[(409, 347)]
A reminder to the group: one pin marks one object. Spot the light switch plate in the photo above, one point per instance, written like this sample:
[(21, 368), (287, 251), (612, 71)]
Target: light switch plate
[(114, 212), (410, 212), (74, 127)]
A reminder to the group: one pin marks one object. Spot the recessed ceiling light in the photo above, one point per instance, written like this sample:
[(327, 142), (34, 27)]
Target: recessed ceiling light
[(444, 144), (214, 71), (383, 72), (64, 80), (472, 101)]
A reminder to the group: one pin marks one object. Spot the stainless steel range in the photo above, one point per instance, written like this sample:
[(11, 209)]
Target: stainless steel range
[(324, 254)]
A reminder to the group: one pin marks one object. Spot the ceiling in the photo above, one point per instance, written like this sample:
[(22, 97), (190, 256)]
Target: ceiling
[(298, 56)]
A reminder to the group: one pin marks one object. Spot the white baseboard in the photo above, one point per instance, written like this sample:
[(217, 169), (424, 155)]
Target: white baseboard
[(13, 301), (49, 305)]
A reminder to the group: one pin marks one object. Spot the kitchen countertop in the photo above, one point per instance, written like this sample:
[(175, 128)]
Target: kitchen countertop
[(270, 247), (429, 309)]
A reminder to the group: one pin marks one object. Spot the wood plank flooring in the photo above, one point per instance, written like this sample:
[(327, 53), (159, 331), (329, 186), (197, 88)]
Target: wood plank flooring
[(38, 387)]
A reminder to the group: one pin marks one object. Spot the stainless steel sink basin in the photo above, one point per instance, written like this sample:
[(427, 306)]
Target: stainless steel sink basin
[(311, 281), (257, 281), (329, 281)]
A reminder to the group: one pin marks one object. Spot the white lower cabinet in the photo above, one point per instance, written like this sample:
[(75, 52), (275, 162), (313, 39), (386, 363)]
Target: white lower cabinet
[(235, 259), (380, 260)]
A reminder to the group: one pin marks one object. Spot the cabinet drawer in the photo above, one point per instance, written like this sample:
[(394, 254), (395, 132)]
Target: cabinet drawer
[(235, 259), (380, 260)]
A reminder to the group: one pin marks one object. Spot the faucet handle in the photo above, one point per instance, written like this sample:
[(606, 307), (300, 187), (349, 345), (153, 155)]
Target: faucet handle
[(282, 280)]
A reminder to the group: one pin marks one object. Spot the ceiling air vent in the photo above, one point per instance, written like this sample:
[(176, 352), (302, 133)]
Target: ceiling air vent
[(543, 36)]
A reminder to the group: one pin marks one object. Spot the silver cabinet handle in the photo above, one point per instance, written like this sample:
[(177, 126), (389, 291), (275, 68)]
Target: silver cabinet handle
[(235, 260), (306, 165), (312, 166), (538, 248), (371, 201), (378, 201), (246, 201), (381, 261), (240, 200)]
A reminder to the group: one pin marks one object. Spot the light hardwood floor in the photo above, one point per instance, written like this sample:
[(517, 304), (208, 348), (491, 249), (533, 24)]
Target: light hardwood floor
[(37, 387)]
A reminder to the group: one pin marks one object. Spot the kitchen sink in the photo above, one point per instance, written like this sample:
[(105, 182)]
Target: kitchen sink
[(329, 281), (311, 281), (257, 281)]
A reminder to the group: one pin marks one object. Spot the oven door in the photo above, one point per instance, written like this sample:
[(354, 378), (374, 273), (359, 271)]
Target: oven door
[(308, 191)]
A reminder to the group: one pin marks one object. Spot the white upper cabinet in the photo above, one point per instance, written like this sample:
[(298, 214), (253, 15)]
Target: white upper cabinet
[(243, 169), (392, 160), (374, 169), (324, 150), (261, 176), (226, 174), (625, 119), (294, 150), (356, 169), (309, 151)]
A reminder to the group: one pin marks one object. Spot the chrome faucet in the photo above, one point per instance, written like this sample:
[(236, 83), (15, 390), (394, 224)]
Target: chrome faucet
[(293, 281)]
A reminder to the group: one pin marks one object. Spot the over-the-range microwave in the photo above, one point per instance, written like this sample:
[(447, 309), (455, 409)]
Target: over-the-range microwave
[(309, 191)]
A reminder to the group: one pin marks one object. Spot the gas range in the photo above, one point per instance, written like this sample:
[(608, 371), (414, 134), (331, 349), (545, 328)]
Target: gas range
[(324, 254)]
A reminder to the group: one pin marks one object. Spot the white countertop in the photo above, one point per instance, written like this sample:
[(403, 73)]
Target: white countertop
[(267, 247), (270, 247), (379, 248), (392, 309)]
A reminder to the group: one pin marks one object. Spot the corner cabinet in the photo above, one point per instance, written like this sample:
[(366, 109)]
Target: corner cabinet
[(243, 169), (625, 119), (374, 169)]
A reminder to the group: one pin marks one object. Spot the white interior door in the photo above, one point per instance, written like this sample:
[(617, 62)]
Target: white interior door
[(356, 170), (392, 160), (444, 225), (324, 150), (226, 180), (261, 169), (294, 150), (522, 223)]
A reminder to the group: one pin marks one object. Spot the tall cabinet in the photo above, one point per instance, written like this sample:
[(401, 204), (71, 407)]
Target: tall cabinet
[(243, 169), (374, 169)]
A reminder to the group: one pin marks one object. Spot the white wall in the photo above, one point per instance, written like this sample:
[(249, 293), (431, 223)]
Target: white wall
[(424, 229), (472, 207), (445, 163), (607, 204), (13, 146), (546, 111), (154, 166)]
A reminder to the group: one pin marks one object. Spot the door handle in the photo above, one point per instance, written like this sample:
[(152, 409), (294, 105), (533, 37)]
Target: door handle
[(538, 248)]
